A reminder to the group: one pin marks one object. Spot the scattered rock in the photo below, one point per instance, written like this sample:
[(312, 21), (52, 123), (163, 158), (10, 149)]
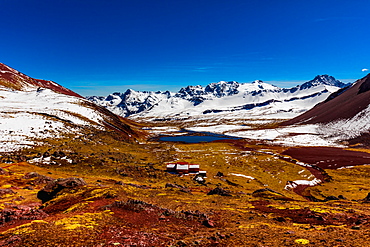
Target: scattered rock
[(200, 179), (220, 235), (367, 198), (208, 223), (38, 178), (2, 171), (20, 213), (280, 219), (6, 191), (219, 174), (28, 188), (169, 185), (332, 198), (54, 187), (356, 227), (12, 241), (219, 191), (181, 243), (46, 154), (58, 154)]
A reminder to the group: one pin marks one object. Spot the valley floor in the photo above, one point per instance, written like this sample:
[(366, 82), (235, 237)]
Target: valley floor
[(256, 193)]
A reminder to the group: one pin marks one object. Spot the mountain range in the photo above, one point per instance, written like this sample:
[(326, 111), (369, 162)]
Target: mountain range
[(248, 99)]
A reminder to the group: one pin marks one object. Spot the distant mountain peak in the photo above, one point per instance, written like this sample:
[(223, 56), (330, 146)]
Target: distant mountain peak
[(323, 80)]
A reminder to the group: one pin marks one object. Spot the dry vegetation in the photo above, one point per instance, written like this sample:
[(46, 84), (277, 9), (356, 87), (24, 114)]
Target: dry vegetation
[(130, 200)]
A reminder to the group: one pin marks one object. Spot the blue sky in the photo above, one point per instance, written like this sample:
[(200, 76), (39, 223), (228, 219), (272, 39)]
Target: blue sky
[(98, 47)]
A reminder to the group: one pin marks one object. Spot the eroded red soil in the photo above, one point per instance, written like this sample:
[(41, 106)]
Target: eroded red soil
[(329, 157)]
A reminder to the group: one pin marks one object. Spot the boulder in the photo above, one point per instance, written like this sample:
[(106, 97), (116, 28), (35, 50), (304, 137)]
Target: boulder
[(219, 191), (38, 178), (51, 190), (3, 171), (367, 198)]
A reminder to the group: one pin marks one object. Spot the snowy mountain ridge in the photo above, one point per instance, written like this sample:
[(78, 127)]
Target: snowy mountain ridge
[(221, 97), (34, 110)]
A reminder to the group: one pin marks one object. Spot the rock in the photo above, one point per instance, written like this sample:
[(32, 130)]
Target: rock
[(219, 174), (11, 241), (6, 191), (341, 197), (219, 191), (181, 243), (169, 185), (280, 219), (54, 187), (17, 213), (208, 223), (59, 154), (38, 178), (46, 154), (367, 198), (200, 179), (2, 171), (331, 198)]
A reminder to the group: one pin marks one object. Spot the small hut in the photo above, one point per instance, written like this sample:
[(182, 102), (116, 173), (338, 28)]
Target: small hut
[(171, 167), (193, 168), (182, 167)]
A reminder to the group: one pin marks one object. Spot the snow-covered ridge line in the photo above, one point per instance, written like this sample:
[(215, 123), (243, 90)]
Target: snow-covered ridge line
[(26, 116), (217, 98)]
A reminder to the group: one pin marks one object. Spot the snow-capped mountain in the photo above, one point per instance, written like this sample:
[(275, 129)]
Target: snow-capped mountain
[(222, 97), (344, 115), (33, 110)]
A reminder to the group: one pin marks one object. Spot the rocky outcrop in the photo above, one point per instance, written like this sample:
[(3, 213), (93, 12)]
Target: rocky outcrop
[(18, 212), (51, 190), (219, 191)]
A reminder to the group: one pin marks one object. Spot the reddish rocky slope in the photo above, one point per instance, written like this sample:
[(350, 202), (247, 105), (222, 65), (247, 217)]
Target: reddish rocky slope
[(343, 104), (13, 79)]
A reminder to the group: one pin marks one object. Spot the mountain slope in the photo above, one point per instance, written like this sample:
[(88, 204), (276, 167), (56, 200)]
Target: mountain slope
[(345, 115), (13, 79), (343, 105), (257, 98), (35, 110)]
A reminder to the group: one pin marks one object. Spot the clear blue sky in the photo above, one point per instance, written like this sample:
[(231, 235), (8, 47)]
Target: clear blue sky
[(98, 47)]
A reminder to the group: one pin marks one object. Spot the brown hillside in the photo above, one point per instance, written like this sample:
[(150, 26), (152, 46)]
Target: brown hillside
[(341, 106), (13, 79), (120, 127)]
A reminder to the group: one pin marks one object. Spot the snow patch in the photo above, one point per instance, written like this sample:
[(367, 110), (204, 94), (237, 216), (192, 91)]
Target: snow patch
[(241, 175)]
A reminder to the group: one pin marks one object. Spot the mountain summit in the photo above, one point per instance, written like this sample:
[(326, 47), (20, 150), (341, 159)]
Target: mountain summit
[(323, 80)]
